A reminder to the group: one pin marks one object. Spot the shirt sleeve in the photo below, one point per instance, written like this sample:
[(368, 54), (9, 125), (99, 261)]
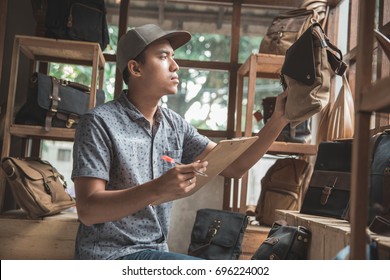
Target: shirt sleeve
[(91, 149)]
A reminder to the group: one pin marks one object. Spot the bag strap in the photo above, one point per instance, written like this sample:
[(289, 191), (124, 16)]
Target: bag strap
[(336, 62), (55, 99), (212, 231), (46, 183)]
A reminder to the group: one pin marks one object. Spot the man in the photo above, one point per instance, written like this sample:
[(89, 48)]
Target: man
[(118, 171)]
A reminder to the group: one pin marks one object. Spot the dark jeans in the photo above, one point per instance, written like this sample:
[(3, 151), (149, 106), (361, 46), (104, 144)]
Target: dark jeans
[(157, 255)]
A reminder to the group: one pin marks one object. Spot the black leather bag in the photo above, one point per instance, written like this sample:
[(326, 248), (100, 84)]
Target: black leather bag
[(217, 234), (284, 242), (328, 194), (299, 134), (81, 20), (53, 102), (379, 202), (329, 190)]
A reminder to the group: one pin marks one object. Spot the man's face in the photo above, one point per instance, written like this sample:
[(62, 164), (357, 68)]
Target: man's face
[(159, 72)]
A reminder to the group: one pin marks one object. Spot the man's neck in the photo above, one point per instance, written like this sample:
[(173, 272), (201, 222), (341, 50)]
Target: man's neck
[(147, 106)]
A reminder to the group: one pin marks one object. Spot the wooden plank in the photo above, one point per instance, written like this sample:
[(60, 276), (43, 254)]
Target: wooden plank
[(32, 131), (51, 238), (329, 235), (376, 97), (292, 148), (253, 237), (360, 154), (52, 50)]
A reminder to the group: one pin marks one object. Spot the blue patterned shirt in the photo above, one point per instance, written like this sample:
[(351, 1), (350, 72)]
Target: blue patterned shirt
[(114, 142)]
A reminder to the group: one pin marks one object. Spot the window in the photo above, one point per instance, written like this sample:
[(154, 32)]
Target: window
[(64, 155)]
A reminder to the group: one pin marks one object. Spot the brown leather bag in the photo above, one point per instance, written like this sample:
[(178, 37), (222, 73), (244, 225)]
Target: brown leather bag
[(38, 188), (287, 27), (282, 187), (338, 120)]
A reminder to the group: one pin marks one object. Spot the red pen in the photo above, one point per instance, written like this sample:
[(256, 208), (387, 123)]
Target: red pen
[(171, 160)]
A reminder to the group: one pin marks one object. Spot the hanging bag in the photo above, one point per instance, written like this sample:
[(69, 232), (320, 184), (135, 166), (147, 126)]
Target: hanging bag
[(306, 73), (338, 122)]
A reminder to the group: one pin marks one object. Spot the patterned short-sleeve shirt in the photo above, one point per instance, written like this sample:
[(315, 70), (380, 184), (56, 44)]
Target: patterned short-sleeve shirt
[(114, 142)]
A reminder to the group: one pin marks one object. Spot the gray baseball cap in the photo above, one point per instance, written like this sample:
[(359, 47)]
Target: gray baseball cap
[(137, 39)]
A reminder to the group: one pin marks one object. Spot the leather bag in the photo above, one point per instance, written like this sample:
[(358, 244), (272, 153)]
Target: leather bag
[(287, 27), (379, 187), (306, 73), (338, 120), (299, 134), (282, 187), (328, 194), (217, 234), (81, 20), (54, 102), (37, 187), (329, 188), (284, 242)]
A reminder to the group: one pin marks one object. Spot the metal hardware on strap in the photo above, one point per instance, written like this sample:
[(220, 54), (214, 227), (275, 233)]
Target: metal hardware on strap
[(326, 192)]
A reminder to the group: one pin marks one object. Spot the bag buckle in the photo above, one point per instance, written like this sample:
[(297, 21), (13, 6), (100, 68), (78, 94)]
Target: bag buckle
[(326, 192), (213, 229), (69, 123)]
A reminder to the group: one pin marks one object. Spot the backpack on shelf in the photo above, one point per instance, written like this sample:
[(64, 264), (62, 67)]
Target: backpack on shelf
[(81, 20), (282, 187)]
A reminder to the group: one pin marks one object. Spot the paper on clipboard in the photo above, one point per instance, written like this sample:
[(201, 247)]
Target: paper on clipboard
[(220, 157)]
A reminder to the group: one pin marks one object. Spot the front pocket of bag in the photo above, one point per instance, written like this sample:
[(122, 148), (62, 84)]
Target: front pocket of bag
[(85, 23), (277, 199)]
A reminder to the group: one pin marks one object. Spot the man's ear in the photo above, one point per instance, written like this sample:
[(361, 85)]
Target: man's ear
[(133, 67)]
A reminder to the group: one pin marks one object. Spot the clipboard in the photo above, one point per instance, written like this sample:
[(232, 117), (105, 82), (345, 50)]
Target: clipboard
[(220, 157)]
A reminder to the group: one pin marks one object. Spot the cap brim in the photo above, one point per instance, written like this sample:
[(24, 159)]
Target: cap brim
[(176, 38)]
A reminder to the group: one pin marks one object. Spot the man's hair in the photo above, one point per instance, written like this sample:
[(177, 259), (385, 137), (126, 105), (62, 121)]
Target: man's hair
[(126, 74)]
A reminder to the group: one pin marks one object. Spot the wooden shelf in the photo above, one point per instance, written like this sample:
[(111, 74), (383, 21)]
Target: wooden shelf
[(376, 97), (259, 66), (287, 148), (61, 51), (39, 49), (32, 131)]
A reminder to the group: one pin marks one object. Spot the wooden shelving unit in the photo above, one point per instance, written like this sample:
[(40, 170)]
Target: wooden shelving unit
[(38, 50), (369, 98), (259, 66)]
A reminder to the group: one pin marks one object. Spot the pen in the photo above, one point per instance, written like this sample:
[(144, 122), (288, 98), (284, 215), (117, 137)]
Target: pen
[(171, 160)]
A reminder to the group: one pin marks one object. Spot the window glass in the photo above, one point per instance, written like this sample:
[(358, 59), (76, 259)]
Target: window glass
[(254, 24), (202, 98), (264, 88)]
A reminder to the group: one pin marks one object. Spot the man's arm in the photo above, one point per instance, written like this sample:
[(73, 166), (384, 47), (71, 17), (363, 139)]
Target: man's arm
[(95, 204), (254, 153)]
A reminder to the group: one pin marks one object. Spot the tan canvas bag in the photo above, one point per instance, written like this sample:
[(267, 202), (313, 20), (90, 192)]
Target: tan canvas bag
[(306, 73), (38, 188), (287, 27)]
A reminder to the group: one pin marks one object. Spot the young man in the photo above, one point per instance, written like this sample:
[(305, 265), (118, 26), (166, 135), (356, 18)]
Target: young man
[(118, 171)]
